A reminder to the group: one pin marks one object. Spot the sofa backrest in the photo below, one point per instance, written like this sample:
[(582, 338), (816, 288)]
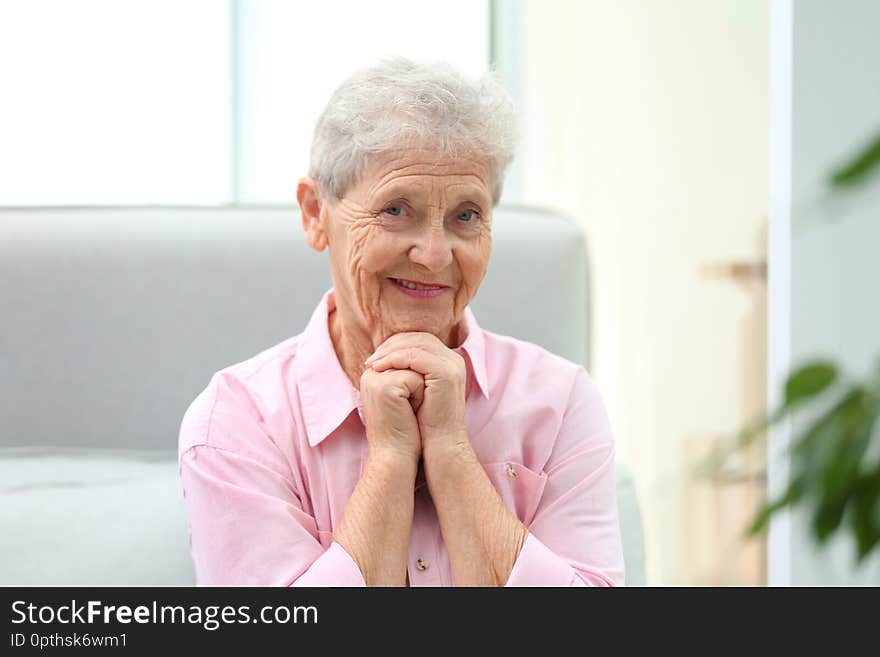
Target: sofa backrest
[(114, 319)]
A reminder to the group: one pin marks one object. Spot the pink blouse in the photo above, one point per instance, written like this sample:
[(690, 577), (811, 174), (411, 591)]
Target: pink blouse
[(271, 450)]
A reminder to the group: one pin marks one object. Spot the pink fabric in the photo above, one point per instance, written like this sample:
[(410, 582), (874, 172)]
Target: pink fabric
[(271, 450)]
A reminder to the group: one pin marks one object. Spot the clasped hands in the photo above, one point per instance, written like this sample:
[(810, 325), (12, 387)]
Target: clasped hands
[(413, 394)]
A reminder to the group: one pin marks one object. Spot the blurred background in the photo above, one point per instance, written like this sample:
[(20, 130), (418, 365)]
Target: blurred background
[(684, 137)]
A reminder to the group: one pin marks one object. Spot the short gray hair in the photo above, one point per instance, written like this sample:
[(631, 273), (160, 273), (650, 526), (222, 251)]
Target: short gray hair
[(401, 103)]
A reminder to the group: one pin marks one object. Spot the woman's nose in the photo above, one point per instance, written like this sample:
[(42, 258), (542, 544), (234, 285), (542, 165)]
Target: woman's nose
[(432, 249)]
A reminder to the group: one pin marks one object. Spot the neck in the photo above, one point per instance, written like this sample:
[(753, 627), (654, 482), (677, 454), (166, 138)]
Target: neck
[(352, 347)]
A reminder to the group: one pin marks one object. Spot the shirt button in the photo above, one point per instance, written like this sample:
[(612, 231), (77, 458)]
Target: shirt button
[(511, 472), (421, 564)]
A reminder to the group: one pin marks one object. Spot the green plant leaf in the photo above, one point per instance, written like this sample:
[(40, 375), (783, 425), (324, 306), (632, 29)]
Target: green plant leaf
[(826, 459), (865, 514), (808, 381), (793, 494), (859, 167), (844, 462), (803, 384), (816, 444), (828, 515)]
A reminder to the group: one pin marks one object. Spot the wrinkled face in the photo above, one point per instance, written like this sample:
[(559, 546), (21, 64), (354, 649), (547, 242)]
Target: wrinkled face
[(410, 243)]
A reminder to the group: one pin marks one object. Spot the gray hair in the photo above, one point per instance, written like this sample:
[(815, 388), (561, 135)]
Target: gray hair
[(400, 103)]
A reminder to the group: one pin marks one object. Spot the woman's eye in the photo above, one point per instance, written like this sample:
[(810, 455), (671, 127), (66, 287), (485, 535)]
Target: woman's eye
[(394, 210), (468, 216)]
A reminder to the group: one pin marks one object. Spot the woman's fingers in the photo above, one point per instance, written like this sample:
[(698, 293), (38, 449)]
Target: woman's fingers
[(415, 383), (411, 384), (412, 358), (425, 341)]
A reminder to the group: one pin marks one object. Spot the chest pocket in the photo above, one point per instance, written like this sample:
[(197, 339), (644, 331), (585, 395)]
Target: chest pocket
[(520, 488)]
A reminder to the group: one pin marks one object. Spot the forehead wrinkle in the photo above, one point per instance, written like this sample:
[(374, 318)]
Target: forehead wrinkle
[(395, 174), (423, 162)]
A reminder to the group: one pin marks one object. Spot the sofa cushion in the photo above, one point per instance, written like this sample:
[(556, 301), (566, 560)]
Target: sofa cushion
[(76, 516)]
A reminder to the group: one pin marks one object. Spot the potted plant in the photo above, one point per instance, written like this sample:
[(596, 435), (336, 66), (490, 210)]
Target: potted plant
[(835, 446)]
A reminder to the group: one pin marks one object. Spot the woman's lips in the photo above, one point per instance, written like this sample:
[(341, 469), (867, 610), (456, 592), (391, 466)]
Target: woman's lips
[(417, 288)]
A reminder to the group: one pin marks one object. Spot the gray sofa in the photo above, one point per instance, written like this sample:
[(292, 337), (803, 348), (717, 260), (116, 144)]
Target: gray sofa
[(115, 318)]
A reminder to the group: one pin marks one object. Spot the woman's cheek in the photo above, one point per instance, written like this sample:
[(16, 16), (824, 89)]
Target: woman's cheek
[(363, 276), (473, 269)]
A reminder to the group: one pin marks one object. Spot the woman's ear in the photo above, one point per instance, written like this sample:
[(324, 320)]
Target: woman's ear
[(308, 196)]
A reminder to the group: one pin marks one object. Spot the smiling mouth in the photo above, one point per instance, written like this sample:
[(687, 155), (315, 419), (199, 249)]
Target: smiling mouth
[(418, 289), (415, 285)]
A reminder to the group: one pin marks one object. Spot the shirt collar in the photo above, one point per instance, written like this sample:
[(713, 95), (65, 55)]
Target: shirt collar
[(474, 348), (327, 395)]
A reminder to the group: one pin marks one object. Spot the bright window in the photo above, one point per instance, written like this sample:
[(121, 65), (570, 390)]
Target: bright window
[(114, 102), (124, 102), (293, 54)]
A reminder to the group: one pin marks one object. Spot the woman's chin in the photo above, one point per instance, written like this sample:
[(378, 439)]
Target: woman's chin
[(440, 329)]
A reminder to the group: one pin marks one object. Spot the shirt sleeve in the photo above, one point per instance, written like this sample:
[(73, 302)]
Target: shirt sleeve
[(246, 520), (574, 538)]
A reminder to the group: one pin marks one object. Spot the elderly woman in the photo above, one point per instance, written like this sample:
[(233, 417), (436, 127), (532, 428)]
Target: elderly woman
[(395, 442)]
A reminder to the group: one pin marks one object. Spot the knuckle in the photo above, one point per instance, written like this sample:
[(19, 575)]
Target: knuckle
[(388, 391)]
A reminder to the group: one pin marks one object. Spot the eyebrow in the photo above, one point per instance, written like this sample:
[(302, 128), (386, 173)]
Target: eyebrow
[(457, 194)]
